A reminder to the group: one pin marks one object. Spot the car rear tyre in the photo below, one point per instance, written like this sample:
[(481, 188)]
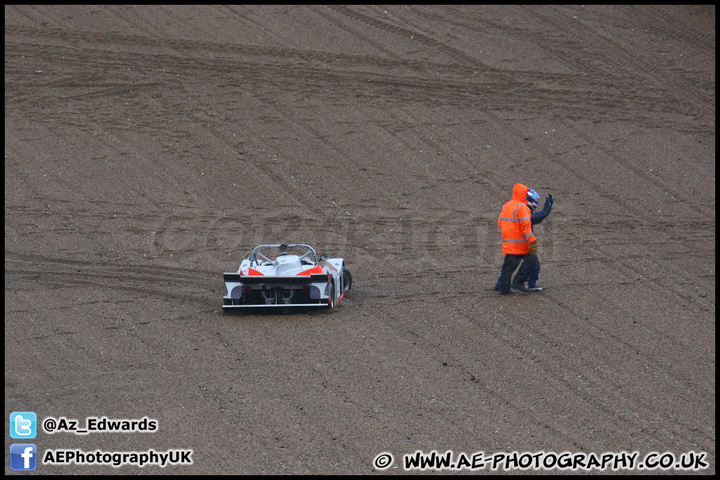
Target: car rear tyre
[(331, 300), (347, 279)]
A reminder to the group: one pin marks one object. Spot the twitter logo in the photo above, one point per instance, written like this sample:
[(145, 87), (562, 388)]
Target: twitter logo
[(23, 425)]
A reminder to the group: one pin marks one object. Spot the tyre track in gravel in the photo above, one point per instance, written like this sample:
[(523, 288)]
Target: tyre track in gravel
[(394, 30), (658, 20), (495, 86), (188, 46), (619, 57), (65, 273), (41, 197), (628, 408), (672, 281), (662, 186), (203, 53), (595, 380), (80, 221), (475, 378), (638, 173), (505, 85)]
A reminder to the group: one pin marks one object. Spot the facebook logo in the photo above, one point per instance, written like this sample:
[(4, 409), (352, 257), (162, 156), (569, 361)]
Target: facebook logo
[(23, 425), (23, 456)]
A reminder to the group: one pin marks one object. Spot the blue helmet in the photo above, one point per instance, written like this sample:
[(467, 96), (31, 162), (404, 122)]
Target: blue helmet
[(532, 198)]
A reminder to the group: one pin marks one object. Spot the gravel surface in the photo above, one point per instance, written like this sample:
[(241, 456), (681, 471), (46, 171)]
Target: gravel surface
[(147, 149)]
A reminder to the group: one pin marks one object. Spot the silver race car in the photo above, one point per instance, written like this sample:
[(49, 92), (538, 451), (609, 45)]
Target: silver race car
[(286, 275)]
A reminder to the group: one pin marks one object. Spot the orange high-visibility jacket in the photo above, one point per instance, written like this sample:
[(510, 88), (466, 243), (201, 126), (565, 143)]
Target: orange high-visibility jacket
[(515, 223)]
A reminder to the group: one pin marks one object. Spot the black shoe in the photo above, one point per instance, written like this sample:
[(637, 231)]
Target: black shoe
[(520, 286), (535, 288), (496, 287), (506, 293)]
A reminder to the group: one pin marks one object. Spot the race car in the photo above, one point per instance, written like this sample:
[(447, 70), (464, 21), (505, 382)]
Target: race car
[(286, 275)]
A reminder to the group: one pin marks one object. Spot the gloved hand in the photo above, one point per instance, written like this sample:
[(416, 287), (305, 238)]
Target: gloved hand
[(533, 248), (548, 201)]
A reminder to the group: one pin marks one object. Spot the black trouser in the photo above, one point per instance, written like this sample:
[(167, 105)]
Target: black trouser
[(510, 263)]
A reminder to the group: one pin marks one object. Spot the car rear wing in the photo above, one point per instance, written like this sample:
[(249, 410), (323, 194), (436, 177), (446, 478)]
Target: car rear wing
[(313, 290), (275, 280)]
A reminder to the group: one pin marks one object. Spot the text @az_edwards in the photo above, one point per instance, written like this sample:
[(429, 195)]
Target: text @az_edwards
[(100, 425)]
